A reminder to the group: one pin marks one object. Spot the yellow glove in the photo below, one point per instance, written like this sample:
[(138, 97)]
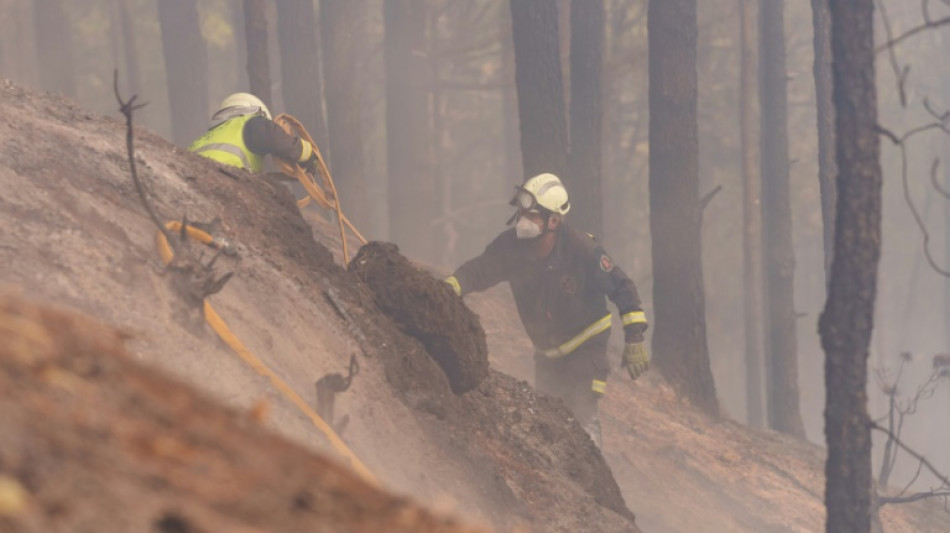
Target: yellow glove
[(635, 359)]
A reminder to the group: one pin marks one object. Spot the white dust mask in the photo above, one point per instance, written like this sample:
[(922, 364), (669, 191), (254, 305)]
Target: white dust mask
[(526, 229)]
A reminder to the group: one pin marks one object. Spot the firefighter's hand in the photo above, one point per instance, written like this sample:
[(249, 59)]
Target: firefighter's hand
[(635, 359), (310, 165)]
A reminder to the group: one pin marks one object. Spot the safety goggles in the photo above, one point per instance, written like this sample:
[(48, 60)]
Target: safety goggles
[(525, 202)]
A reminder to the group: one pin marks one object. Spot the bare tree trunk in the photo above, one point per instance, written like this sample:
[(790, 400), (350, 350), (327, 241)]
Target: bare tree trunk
[(586, 124), (300, 66), (408, 133), (679, 338), (258, 61), (779, 259), (186, 67), (342, 25), (540, 88), (509, 101), (751, 221), (826, 123), (240, 44), (847, 321), (54, 47)]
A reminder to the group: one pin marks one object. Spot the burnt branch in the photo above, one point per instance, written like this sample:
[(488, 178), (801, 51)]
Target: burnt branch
[(928, 23), (128, 109), (192, 279), (898, 410), (924, 463), (901, 143)]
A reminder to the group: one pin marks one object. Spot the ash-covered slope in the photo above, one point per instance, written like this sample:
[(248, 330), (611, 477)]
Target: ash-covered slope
[(73, 232)]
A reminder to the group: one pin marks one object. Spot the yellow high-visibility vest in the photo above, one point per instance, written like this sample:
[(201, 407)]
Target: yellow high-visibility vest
[(225, 144)]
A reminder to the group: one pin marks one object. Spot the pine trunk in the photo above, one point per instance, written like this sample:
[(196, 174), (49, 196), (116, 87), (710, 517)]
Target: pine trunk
[(586, 124), (342, 25), (53, 47), (751, 219), (186, 68), (408, 128), (541, 110), (826, 125), (680, 350), (847, 321), (258, 61), (300, 66), (781, 345)]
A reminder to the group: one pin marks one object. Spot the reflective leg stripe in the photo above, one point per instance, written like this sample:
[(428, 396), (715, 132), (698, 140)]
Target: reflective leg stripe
[(229, 149), (600, 387), (634, 317), (597, 327), (455, 285)]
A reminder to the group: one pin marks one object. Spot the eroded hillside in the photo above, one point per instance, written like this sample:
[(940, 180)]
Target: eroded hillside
[(73, 233)]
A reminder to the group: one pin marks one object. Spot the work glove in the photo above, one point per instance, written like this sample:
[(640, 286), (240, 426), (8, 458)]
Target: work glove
[(635, 359)]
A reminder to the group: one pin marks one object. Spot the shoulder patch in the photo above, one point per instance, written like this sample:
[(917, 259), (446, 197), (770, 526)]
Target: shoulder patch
[(606, 263)]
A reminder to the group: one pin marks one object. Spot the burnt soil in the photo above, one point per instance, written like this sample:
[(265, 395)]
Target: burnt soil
[(425, 308), (93, 441)]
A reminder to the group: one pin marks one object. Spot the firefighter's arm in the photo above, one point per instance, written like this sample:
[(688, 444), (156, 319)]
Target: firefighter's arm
[(481, 272), (264, 136), (623, 293)]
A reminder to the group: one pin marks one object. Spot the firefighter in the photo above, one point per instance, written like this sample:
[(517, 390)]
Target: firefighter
[(559, 277), (242, 133)]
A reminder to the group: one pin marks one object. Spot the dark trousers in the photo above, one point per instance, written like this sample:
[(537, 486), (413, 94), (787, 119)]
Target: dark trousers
[(571, 377)]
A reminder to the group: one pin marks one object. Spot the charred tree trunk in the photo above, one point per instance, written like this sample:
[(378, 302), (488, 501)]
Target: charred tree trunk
[(846, 323), (258, 62), (679, 338), (509, 101), (751, 219), (586, 124), (186, 68), (826, 123), (300, 66), (53, 47), (541, 110), (781, 345), (408, 128), (342, 28)]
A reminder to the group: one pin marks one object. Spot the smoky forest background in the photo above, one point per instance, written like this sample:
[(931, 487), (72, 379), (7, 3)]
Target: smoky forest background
[(430, 111)]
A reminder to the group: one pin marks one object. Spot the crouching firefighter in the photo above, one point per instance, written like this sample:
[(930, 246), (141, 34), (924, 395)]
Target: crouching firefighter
[(242, 133), (560, 277)]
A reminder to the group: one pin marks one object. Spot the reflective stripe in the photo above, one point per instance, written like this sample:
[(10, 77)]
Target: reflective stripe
[(306, 152), (455, 284), (634, 317), (225, 144), (597, 327), (228, 148), (600, 387)]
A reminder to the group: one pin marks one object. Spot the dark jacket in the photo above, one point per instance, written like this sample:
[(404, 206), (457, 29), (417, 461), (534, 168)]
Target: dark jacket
[(559, 296), (264, 136)]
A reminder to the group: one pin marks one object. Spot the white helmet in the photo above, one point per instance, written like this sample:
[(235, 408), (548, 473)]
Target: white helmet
[(543, 191), (243, 104)]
